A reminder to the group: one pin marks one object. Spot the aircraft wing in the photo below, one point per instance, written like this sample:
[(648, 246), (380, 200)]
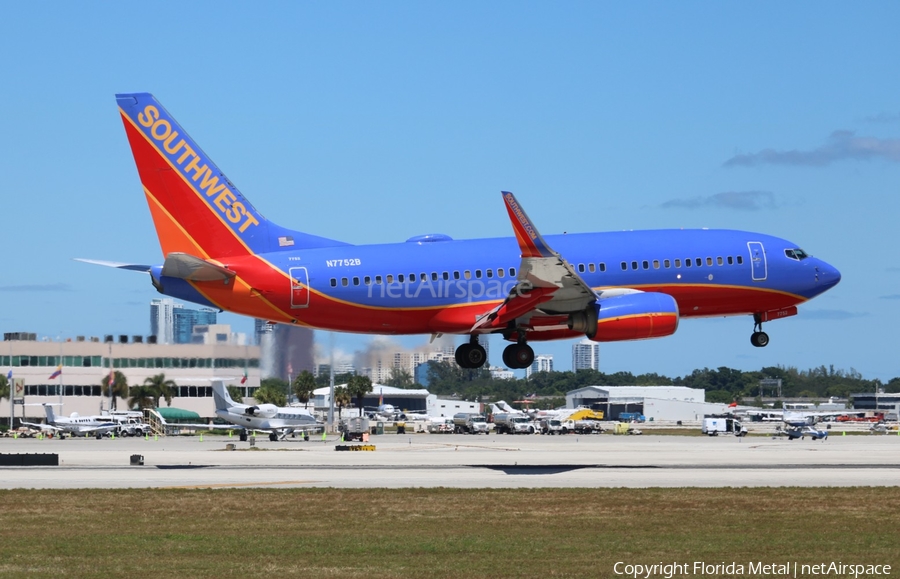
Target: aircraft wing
[(42, 426), (96, 429), (116, 264), (547, 283)]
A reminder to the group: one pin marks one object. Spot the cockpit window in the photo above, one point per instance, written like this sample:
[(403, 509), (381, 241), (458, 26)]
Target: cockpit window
[(796, 253)]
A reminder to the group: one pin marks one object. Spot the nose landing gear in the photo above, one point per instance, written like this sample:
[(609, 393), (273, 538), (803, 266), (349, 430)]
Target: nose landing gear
[(758, 338)]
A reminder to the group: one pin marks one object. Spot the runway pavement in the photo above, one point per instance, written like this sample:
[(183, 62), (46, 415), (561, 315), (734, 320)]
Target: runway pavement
[(432, 460)]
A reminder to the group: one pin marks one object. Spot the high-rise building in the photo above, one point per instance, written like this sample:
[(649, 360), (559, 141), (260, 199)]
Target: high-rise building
[(184, 320), (585, 356), (162, 320), (542, 363), (261, 328)]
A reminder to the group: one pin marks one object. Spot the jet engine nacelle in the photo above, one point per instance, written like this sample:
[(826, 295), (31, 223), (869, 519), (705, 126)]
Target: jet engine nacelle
[(635, 316), (263, 410)]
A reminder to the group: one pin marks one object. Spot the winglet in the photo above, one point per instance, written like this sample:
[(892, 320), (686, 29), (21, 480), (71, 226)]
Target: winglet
[(530, 241)]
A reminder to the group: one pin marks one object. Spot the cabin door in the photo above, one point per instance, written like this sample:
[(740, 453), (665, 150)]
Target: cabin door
[(299, 287), (757, 261)]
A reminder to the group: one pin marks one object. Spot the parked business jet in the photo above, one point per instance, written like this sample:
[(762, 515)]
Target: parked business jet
[(278, 421), (75, 424), (220, 252)]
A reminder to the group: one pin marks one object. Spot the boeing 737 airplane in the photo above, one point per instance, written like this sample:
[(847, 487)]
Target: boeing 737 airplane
[(629, 285)]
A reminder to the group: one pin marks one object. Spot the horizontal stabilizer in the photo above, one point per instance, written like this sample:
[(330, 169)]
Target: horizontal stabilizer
[(116, 264), (184, 266)]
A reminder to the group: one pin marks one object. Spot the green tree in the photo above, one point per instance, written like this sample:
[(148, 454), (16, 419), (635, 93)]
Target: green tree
[(304, 384), (4, 387), (269, 393), (119, 388), (893, 385), (276, 384), (358, 387), (341, 398), (236, 393), (141, 397), (400, 378)]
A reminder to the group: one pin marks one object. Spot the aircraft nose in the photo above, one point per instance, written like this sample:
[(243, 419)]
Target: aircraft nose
[(827, 276)]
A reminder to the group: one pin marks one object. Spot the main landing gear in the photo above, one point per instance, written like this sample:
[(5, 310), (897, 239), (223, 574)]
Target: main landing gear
[(758, 338), (471, 355), (517, 356)]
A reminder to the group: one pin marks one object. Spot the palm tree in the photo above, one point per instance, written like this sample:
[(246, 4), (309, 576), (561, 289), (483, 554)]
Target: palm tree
[(341, 398), (359, 386), (304, 385), (141, 397), (119, 388), (159, 387)]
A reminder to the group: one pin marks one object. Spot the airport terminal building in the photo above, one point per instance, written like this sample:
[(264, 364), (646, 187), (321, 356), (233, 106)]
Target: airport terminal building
[(85, 362), (657, 403)]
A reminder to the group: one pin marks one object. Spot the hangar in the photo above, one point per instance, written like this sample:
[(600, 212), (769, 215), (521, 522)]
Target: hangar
[(670, 403), (418, 401)]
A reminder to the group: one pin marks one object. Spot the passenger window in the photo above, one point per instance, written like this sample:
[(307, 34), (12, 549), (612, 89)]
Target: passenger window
[(411, 278), (580, 268), (455, 274), (645, 264), (499, 272), (512, 272), (740, 260), (719, 261), (378, 279), (467, 274), (655, 264), (699, 262), (400, 278), (677, 263), (633, 265), (602, 266), (666, 263), (446, 275), (345, 282), (709, 261), (355, 281), (477, 274), (333, 282), (489, 272), (367, 280), (591, 267), (390, 278), (730, 260), (624, 266), (434, 276), (687, 262)]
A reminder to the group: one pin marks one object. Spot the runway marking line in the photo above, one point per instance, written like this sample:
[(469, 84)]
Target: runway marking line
[(244, 484)]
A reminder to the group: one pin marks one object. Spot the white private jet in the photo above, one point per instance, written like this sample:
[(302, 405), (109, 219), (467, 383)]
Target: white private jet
[(278, 421)]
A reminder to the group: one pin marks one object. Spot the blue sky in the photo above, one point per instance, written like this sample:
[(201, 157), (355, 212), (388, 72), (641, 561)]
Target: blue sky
[(374, 122)]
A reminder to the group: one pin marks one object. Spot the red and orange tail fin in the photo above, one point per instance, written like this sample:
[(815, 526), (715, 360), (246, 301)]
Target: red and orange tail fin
[(195, 208)]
